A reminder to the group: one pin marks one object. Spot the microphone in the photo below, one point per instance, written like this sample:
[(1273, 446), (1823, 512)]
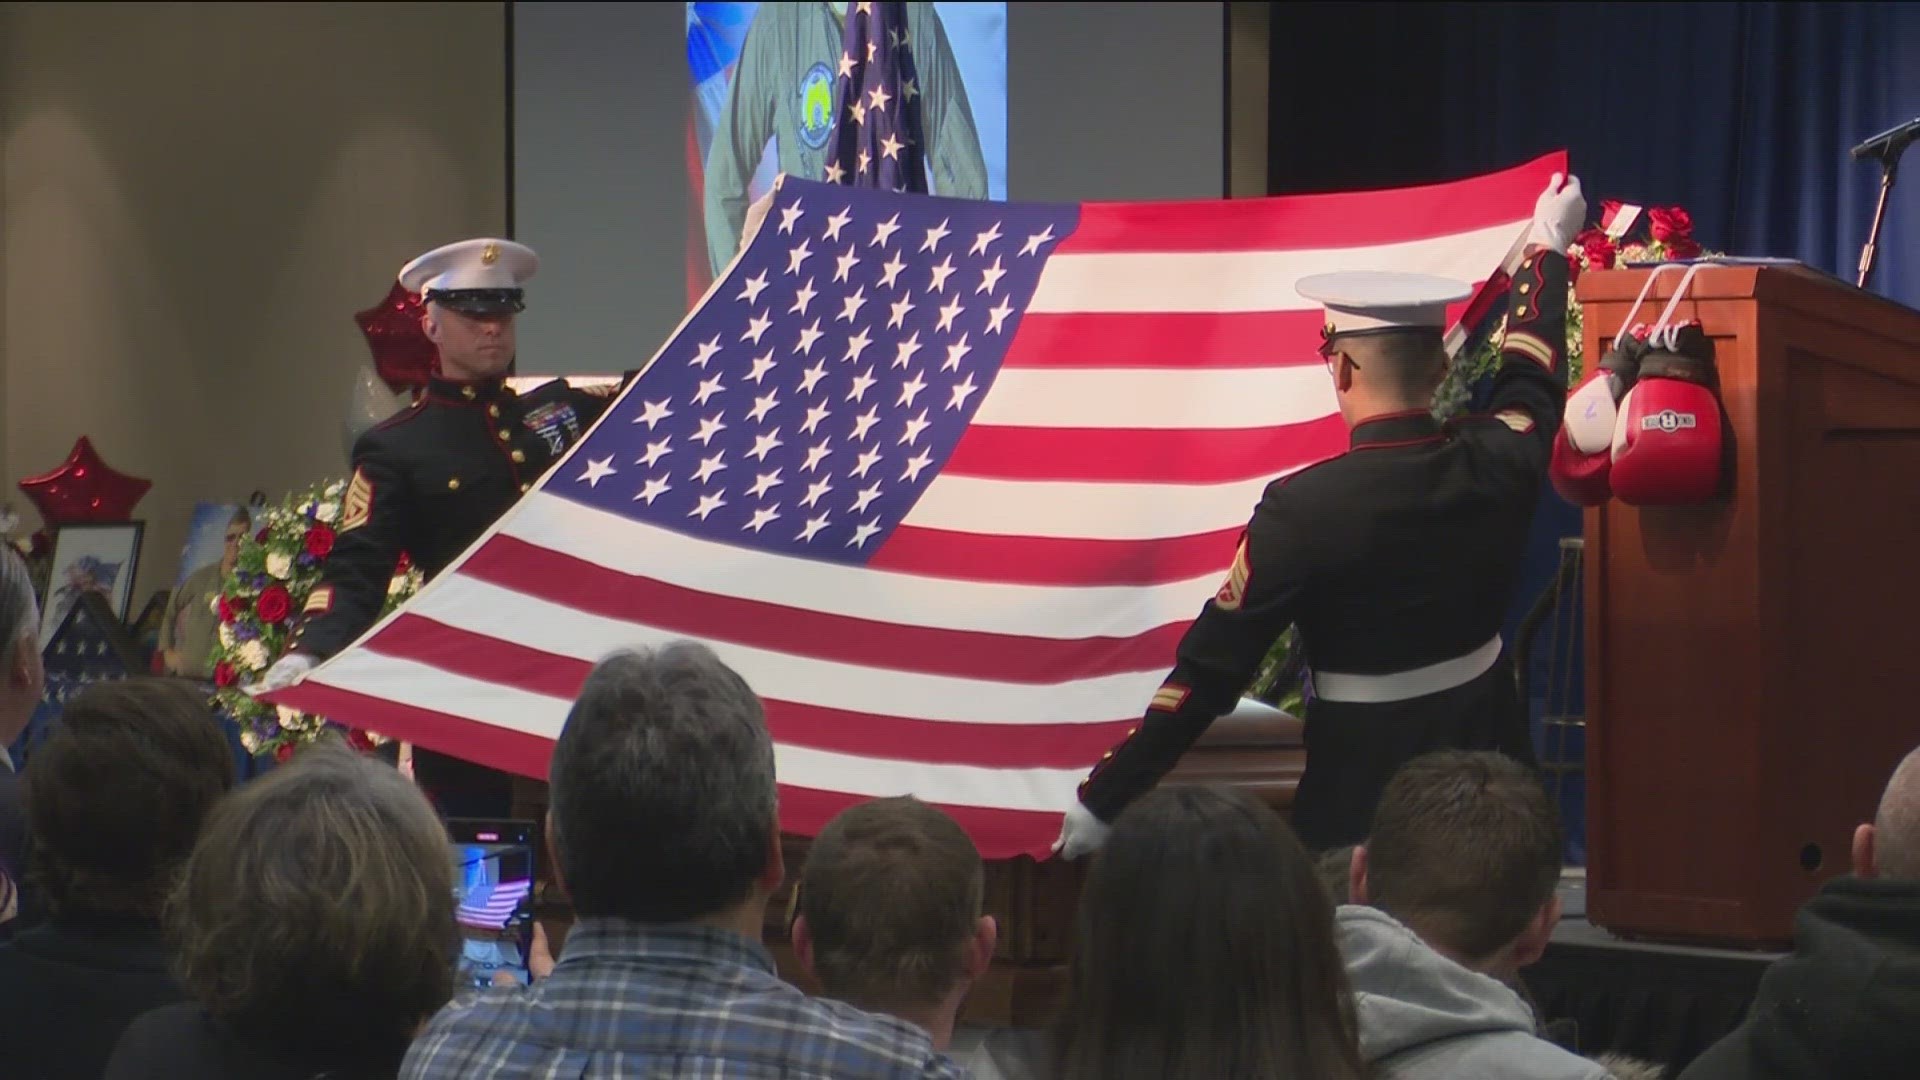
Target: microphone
[(1892, 140)]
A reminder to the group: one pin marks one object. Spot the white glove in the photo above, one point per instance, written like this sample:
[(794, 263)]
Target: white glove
[(285, 672), (1080, 833), (1558, 214)]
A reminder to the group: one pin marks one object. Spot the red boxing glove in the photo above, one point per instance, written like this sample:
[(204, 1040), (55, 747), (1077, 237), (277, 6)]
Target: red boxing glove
[(1668, 443), (1583, 450)]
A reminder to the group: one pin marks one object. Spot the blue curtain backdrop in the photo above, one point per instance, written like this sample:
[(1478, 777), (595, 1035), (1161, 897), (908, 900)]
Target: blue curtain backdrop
[(1741, 112)]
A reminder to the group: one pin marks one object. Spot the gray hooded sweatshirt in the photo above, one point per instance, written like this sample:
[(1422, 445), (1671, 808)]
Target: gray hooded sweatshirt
[(1424, 1017)]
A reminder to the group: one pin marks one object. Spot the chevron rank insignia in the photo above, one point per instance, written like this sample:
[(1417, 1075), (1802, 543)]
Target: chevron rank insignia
[(1234, 590), (1518, 419), (357, 507)]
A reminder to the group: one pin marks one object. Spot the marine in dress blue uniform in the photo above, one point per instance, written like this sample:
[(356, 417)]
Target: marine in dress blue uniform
[(1396, 561), (429, 480)]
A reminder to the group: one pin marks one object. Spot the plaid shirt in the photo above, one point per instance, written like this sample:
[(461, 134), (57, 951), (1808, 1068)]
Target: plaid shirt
[(628, 1001)]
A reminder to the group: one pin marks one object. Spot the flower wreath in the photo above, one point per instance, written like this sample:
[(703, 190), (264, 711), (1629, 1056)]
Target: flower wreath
[(1624, 234), (258, 606)]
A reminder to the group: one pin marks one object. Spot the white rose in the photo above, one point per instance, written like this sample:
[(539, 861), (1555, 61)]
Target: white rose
[(226, 636), (249, 740), (397, 585), (213, 603), (290, 719), (280, 565), (329, 510), (253, 655)]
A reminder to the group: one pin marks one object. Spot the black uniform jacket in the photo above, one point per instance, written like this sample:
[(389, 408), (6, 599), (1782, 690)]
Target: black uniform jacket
[(428, 481), (1400, 553)]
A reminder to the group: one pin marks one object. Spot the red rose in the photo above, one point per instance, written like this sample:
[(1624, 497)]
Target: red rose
[(359, 740), (274, 604), (226, 610), (283, 752), (405, 564), (1682, 247), (261, 536), (1608, 207), (1598, 247), (1670, 223), (319, 541), (223, 674)]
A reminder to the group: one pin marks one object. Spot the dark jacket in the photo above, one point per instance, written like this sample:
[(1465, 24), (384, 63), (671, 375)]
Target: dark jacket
[(428, 481), (69, 988), (1844, 1003), (184, 1041)]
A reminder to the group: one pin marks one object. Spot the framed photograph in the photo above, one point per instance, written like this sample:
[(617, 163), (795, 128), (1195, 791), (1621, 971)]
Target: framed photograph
[(91, 559)]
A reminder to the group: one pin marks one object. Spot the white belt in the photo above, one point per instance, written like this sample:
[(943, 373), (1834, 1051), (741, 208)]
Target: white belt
[(1401, 685)]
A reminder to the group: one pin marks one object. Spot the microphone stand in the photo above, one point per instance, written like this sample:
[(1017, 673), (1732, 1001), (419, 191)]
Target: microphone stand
[(1889, 165), (1887, 147)]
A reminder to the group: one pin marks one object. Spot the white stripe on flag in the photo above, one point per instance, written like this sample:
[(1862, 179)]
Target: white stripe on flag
[(1250, 280), (1066, 612), (1067, 510), (1198, 398), (553, 628)]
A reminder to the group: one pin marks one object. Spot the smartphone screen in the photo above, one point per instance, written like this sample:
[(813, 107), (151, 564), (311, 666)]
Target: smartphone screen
[(493, 893)]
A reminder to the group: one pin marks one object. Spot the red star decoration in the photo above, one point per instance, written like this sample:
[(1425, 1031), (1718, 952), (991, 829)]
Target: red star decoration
[(402, 353), (84, 488)]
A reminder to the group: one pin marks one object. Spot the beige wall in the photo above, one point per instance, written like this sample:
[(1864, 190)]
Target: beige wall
[(195, 199), (1248, 26)]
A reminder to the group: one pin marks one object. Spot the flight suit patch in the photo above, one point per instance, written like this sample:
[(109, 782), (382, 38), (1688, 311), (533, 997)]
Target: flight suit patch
[(357, 507), (1234, 590), (1518, 419)]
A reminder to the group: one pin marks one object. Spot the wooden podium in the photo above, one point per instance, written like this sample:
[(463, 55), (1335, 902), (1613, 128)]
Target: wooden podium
[(1753, 665)]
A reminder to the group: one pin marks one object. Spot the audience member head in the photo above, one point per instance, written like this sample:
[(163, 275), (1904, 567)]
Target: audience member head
[(1205, 946), (22, 679), (890, 912), (1889, 847), (120, 789), (1465, 852), (318, 907), (663, 806)]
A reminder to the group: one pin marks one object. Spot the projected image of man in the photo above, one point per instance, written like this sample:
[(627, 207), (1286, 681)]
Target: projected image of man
[(782, 89)]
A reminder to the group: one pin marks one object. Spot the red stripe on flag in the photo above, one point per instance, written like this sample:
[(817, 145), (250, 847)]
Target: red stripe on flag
[(1305, 222), (1045, 560), (995, 746), (1144, 455), (1153, 339), (446, 733), (514, 564), (998, 834), (1179, 340)]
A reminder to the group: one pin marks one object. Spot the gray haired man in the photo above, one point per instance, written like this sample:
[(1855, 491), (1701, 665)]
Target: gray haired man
[(665, 832)]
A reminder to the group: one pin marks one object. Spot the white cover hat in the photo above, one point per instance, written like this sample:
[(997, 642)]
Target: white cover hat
[(1382, 299), (482, 276)]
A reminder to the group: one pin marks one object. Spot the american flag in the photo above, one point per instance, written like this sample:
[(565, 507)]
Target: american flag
[(945, 481), (490, 906), (878, 137)]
